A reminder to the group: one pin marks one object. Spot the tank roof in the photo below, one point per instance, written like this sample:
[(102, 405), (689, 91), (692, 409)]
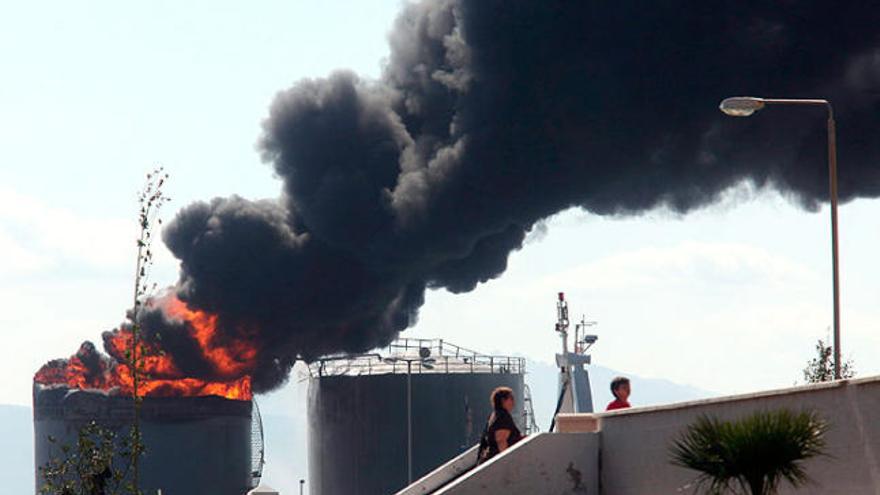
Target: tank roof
[(54, 402), (421, 356)]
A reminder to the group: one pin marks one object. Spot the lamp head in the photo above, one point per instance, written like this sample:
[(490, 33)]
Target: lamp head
[(741, 106)]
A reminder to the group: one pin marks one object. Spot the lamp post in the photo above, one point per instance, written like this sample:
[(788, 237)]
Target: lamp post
[(744, 106), (425, 361)]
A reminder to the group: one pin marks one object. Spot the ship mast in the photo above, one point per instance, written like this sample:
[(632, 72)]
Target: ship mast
[(562, 321), (574, 382)]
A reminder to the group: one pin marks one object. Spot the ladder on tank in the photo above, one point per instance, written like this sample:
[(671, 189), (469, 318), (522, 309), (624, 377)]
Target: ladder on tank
[(531, 426)]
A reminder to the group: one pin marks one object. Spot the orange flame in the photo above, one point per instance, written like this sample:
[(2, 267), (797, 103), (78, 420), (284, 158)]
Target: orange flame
[(234, 358), (231, 359)]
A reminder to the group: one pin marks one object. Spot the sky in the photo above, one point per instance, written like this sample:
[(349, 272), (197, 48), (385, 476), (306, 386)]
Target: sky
[(729, 299)]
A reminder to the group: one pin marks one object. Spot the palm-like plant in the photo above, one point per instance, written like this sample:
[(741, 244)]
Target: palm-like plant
[(753, 454)]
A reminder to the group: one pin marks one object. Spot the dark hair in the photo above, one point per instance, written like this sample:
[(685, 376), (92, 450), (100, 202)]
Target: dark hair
[(617, 383), (499, 395)]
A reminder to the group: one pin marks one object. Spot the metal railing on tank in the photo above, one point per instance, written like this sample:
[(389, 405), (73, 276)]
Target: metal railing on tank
[(425, 356)]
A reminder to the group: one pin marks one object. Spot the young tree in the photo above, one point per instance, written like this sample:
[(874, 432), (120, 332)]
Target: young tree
[(103, 462), (91, 466), (821, 368), (752, 455), (151, 200)]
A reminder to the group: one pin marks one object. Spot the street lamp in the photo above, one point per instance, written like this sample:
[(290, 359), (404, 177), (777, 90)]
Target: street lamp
[(426, 362), (744, 106)]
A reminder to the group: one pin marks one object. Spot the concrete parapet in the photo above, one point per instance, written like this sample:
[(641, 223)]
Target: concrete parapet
[(578, 423), (444, 474)]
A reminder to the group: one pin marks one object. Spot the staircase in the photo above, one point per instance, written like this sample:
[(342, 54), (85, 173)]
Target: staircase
[(558, 463)]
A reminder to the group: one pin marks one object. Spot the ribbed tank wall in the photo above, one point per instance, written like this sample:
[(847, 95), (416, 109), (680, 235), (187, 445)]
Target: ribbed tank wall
[(193, 445), (358, 426)]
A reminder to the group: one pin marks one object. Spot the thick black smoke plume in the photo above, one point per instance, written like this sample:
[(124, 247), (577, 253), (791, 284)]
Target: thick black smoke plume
[(492, 115)]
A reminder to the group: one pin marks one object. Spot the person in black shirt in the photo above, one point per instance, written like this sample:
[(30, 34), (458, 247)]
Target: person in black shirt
[(501, 431)]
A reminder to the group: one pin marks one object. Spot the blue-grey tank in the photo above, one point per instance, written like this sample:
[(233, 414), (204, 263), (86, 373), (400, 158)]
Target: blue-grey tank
[(357, 409), (193, 444)]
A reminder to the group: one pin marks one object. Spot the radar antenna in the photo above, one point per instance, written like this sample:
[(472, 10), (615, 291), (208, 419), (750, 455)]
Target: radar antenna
[(582, 341)]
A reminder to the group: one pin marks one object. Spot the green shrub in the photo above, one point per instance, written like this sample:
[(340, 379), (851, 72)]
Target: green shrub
[(753, 454)]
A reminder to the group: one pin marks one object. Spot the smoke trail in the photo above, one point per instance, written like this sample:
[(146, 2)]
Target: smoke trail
[(492, 115)]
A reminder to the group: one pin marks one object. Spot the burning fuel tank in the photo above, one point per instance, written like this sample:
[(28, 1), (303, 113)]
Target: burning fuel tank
[(193, 444), (367, 411)]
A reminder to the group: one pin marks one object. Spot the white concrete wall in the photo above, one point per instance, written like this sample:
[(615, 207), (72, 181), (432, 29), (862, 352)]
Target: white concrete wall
[(545, 463), (634, 444), (630, 453)]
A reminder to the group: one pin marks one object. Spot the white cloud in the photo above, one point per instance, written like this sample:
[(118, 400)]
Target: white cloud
[(723, 316), (703, 263), (15, 258), (36, 236)]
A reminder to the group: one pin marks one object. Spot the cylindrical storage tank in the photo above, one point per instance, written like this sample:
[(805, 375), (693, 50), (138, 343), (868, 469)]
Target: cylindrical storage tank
[(358, 422), (193, 444)]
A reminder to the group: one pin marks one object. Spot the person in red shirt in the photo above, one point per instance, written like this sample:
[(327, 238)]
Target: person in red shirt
[(620, 389)]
